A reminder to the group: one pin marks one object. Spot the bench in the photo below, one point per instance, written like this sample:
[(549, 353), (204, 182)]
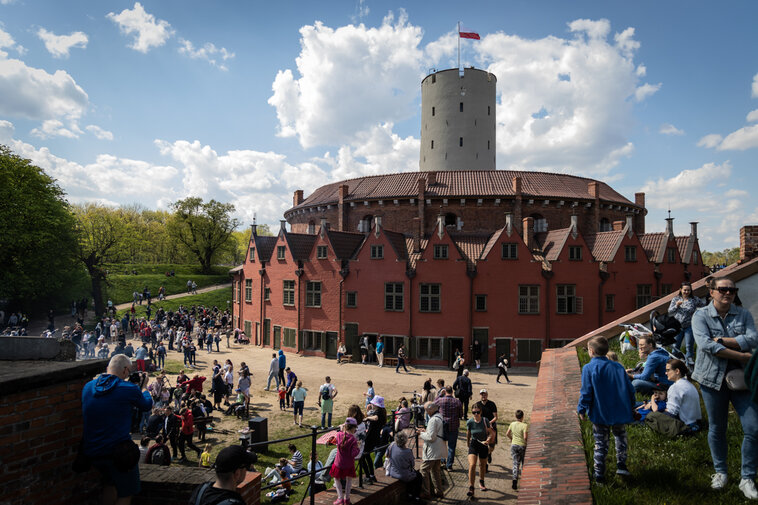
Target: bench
[(390, 361), (347, 358)]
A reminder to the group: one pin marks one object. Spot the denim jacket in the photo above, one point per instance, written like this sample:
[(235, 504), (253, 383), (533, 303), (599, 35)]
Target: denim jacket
[(707, 327)]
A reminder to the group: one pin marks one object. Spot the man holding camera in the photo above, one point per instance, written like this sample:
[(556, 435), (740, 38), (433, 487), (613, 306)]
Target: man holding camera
[(107, 403)]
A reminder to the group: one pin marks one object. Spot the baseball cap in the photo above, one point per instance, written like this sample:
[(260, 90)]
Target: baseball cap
[(233, 458), (482, 391)]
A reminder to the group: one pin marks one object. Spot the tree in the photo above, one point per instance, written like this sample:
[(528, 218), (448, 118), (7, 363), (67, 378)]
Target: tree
[(725, 257), (37, 242), (205, 229), (101, 234)]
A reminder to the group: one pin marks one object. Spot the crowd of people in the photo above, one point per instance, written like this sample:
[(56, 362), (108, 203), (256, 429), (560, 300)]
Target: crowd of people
[(720, 341)]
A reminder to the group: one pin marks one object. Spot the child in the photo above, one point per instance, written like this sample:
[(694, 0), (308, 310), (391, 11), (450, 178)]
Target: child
[(205, 457), (613, 356), (607, 397), (517, 432), (282, 396), (143, 443), (344, 463), (370, 393), (644, 408)]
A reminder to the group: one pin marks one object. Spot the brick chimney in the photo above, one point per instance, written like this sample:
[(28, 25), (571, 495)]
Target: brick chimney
[(297, 198), (670, 225), (693, 228), (630, 222), (748, 242), (416, 234), (508, 223), (342, 207), (528, 227), (592, 189), (431, 178), (618, 225)]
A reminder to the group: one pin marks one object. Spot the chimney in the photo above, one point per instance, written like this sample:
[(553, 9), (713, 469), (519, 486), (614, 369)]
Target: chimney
[(440, 225), (324, 224), (378, 221), (670, 225), (283, 225), (508, 223), (748, 242), (693, 228), (592, 189), (528, 228), (431, 178), (516, 182), (618, 225), (639, 199), (297, 198), (416, 234), (342, 208), (630, 222), (575, 222), (253, 230)]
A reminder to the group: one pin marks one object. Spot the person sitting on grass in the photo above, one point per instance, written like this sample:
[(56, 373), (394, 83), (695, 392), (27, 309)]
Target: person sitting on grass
[(607, 398), (645, 408), (297, 459), (654, 371), (683, 406)]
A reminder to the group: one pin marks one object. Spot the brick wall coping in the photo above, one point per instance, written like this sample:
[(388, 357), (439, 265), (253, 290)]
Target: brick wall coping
[(555, 468), (20, 376)]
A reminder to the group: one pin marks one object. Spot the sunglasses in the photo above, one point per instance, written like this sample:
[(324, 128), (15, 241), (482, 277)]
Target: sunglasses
[(476, 411), (726, 290)]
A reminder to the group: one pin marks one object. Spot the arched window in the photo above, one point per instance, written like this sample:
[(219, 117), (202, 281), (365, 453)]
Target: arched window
[(365, 224), (312, 228), (605, 224), (540, 223), (451, 219)]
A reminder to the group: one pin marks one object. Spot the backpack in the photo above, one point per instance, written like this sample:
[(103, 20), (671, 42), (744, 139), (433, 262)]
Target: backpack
[(326, 394), (445, 428), (160, 456)]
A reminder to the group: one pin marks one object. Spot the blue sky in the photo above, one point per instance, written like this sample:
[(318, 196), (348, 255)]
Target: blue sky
[(245, 101)]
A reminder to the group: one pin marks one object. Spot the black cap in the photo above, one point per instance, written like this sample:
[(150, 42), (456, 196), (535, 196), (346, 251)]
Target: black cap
[(233, 458)]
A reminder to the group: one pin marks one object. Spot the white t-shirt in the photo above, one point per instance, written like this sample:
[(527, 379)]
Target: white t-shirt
[(683, 401)]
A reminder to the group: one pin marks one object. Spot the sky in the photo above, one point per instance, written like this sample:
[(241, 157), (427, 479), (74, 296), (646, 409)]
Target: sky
[(148, 102)]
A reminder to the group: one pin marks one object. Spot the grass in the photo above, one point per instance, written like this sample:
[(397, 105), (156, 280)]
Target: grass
[(161, 268), (665, 471), (217, 297), (122, 287)]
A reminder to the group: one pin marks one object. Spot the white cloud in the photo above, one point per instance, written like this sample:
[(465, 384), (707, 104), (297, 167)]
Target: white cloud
[(6, 2), (99, 132), (55, 128), (208, 52), (752, 116), (740, 140), (351, 78), (7, 42), (755, 86), (710, 141), (60, 45), (593, 29), (35, 94), (702, 189), (645, 91), (361, 11), (6, 131), (669, 129), (148, 32)]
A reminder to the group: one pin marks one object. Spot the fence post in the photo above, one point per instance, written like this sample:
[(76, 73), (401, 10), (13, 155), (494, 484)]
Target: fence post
[(314, 459)]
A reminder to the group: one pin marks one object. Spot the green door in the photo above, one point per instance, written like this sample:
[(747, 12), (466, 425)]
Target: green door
[(266, 332), (351, 338), (331, 344), (503, 345), (277, 337), (482, 335)]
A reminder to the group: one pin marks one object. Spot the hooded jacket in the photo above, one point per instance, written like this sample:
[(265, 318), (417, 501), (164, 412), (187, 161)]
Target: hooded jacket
[(282, 360), (107, 403)]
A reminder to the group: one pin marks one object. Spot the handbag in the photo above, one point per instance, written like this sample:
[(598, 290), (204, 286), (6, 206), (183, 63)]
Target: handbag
[(735, 380)]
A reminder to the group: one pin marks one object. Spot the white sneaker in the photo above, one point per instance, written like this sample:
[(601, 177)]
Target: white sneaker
[(718, 480), (747, 486)]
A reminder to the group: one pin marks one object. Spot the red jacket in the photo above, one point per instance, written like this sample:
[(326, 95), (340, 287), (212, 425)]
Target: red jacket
[(188, 423), (196, 384)]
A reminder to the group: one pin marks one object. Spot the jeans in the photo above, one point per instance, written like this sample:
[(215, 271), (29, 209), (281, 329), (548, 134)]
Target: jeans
[(643, 386), (272, 376), (161, 361), (602, 438), (517, 454), (400, 362), (452, 442), (717, 406), (689, 343), (323, 419)]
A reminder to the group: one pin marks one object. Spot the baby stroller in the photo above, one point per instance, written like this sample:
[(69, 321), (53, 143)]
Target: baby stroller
[(665, 328)]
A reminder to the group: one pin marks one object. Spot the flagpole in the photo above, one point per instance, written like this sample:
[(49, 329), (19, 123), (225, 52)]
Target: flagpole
[(459, 45)]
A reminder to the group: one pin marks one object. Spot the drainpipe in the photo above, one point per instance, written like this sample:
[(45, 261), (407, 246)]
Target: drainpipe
[(344, 272), (299, 275), (604, 275), (547, 274), (471, 275), (261, 272), (410, 273)]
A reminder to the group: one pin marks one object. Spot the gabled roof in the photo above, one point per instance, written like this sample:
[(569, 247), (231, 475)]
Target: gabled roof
[(605, 244), (264, 246), (685, 245), (554, 242), (300, 244), (470, 245), (344, 244), (652, 244), (413, 257), (397, 241), (236, 269), (491, 242)]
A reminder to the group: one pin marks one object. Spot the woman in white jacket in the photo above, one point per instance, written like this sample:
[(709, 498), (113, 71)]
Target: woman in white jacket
[(435, 450)]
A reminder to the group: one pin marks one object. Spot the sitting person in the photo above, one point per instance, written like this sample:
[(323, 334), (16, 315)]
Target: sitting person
[(654, 372), (644, 408), (158, 453), (275, 473), (297, 459), (400, 465), (282, 492), (237, 408), (683, 405)]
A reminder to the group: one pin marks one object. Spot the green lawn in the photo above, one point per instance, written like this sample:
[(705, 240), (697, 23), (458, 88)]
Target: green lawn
[(122, 287), (218, 297), (664, 471)]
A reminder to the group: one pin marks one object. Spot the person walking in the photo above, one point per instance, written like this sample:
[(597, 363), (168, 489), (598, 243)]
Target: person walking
[(465, 391), (401, 355), (434, 452), (518, 434), (450, 409), (479, 435), (186, 433), (502, 367), (282, 367), (298, 402), (273, 372), (326, 394)]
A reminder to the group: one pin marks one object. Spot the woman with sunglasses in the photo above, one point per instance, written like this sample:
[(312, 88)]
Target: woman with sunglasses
[(726, 337), (682, 307), (479, 435)]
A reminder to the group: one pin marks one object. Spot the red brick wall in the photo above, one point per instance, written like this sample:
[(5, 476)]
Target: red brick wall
[(40, 430), (555, 468), (163, 485), (748, 242)]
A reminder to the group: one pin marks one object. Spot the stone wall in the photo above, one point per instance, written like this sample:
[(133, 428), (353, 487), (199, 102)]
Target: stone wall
[(163, 485), (555, 469)]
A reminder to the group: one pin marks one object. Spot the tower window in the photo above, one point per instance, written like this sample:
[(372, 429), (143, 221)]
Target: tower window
[(488, 144), (460, 106), (488, 110), (432, 111), (460, 141), (432, 144)]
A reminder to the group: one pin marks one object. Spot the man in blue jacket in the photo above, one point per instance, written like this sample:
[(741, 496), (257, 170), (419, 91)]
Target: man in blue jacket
[(654, 372), (282, 366), (107, 403), (607, 398)]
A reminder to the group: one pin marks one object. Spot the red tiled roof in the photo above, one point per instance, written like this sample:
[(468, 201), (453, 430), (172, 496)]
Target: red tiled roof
[(491, 242), (344, 243), (685, 249), (397, 241), (300, 244), (603, 245), (470, 246), (413, 257), (651, 243), (554, 242), (264, 247), (465, 184)]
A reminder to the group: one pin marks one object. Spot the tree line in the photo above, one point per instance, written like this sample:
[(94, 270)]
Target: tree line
[(46, 243)]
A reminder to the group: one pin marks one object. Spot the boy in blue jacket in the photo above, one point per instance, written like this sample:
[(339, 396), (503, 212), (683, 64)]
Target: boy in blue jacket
[(607, 398)]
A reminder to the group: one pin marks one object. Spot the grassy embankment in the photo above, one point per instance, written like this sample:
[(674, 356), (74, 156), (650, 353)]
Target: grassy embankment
[(123, 284)]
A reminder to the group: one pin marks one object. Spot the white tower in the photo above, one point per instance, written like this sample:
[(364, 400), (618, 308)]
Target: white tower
[(458, 120)]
